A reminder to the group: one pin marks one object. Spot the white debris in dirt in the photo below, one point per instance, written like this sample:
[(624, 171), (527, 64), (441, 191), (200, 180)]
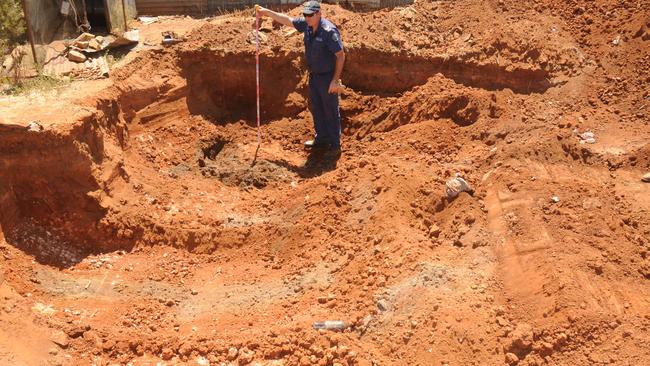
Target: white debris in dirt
[(101, 262), (586, 137), (147, 20), (555, 199), (43, 309), (457, 185), (330, 324), (34, 126), (232, 353)]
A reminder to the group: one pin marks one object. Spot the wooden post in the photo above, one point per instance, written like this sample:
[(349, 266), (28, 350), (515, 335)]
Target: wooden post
[(30, 35), (107, 15), (83, 3), (126, 27)]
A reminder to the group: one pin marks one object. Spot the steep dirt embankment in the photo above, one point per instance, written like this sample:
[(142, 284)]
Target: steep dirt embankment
[(57, 177), (49, 174)]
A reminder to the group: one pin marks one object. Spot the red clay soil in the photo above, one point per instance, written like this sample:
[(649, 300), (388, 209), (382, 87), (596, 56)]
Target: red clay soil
[(148, 230)]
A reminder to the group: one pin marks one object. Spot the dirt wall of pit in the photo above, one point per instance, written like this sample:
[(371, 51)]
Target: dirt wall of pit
[(47, 177), (58, 177)]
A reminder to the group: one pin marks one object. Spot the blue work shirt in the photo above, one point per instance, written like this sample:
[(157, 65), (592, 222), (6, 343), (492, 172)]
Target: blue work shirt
[(321, 45)]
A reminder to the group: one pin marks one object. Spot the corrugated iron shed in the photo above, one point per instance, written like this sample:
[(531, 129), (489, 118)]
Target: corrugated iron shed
[(210, 7), (168, 7)]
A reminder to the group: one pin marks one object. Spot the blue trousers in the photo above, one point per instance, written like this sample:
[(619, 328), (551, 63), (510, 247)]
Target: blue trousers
[(325, 110)]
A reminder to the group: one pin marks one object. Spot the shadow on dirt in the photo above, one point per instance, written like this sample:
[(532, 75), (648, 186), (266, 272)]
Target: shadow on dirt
[(318, 162)]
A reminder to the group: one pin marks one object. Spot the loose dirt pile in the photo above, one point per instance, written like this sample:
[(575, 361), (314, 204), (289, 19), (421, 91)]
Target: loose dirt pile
[(141, 225)]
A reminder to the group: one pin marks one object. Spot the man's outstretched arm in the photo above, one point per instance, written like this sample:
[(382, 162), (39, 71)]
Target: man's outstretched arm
[(278, 17)]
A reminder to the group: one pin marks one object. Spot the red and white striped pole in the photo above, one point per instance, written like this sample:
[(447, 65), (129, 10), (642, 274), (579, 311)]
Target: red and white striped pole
[(257, 71)]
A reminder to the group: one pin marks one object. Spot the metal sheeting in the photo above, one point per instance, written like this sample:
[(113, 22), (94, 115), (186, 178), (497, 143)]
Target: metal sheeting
[(130, 9), (394, 3), (169, 7), (210, 7), (205, 7), (282, 5), (47, 23), (119, 12), (226, 5)]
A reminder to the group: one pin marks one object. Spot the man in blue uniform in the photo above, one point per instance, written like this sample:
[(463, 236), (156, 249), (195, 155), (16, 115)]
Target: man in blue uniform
[(325, 58)]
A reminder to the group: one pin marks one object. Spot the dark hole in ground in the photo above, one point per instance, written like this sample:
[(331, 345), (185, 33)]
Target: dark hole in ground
[(233, 166), (211, 151)]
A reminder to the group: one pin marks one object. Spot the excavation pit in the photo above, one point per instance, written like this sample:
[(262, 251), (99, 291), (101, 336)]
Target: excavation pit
[(203, 100), (205, 104)]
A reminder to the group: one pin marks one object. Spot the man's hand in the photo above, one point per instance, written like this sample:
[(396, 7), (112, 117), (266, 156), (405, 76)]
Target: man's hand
[(260, 12), (335, 87)]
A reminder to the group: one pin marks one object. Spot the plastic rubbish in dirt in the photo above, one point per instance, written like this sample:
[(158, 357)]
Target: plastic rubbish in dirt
[(457, 185), (170, 38), (646, 178), (586, 137), (330, 325)]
